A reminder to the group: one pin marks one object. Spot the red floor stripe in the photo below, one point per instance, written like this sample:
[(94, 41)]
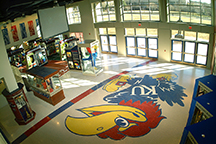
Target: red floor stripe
[(81, 96), (37, 126), (124, 72)]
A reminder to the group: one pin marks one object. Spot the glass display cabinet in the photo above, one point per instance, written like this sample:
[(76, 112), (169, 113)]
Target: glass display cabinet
[(16, 56), (72, 53), (36, 57), (52, 46), (45, 84), (90, 57)]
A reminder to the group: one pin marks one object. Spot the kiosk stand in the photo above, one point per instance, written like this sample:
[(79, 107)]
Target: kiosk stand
[(45, 84), (72, 53), (91, 62), (19, 105)]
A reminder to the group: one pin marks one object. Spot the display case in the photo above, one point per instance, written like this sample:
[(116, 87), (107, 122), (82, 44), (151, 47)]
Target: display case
[(19, 105), (16, 56), (72, 53), (36, 57), (52, 46), (90, 57), (45, 84)]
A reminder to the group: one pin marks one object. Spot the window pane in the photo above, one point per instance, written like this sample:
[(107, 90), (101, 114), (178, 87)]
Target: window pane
[(154, 15), (206, 15), (130, 41), (145, 16), (202, 49), (145, 12), (104, 40), (98, 12), (129, 31), (102, 31), (99, 18), (174, 16), (185, 13), (111, 31), (177, 34), (141, 42), (177, 46), (201, 60), (189, 58), (195, 14), (140, 31), (112, 40), (127, 17), (152, 32), (206, 2), (190, 35), (111, 3), (97, 5), (153, 53), (152, 43), (131, 51), (203, 37), (176, 56), (189, 47), (105, 48), (141, 52), (105, 18), (113, 48), (112, 17), (136, 16)]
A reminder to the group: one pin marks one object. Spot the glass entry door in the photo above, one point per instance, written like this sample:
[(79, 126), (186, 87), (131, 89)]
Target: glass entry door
[(112, 43), (108, 43), (142, 46), (189, 52), (202, 51), (104, 43)]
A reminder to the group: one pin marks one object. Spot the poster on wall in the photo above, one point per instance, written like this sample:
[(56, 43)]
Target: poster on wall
[(23, 30), (31, 28), (14, 33), (38, 28), (6, 36)]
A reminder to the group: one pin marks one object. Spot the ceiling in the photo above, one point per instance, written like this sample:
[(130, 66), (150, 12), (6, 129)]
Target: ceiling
[(11, 9)]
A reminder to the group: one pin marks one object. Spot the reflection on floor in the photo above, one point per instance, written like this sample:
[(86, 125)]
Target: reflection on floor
[(132, 101)]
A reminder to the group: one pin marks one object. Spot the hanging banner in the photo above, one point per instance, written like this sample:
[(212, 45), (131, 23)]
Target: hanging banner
[(31, 28), (23, 30), (14, 33), (6, 36)]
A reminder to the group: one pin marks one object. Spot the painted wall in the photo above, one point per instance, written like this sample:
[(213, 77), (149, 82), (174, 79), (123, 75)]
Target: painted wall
[(6, 72), (17, 23), (87, 25)]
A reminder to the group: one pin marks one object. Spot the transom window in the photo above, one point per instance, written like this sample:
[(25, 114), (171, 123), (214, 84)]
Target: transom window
[(132, 10), (189, 47), (189, 11), (103, 11), (73, 15)]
